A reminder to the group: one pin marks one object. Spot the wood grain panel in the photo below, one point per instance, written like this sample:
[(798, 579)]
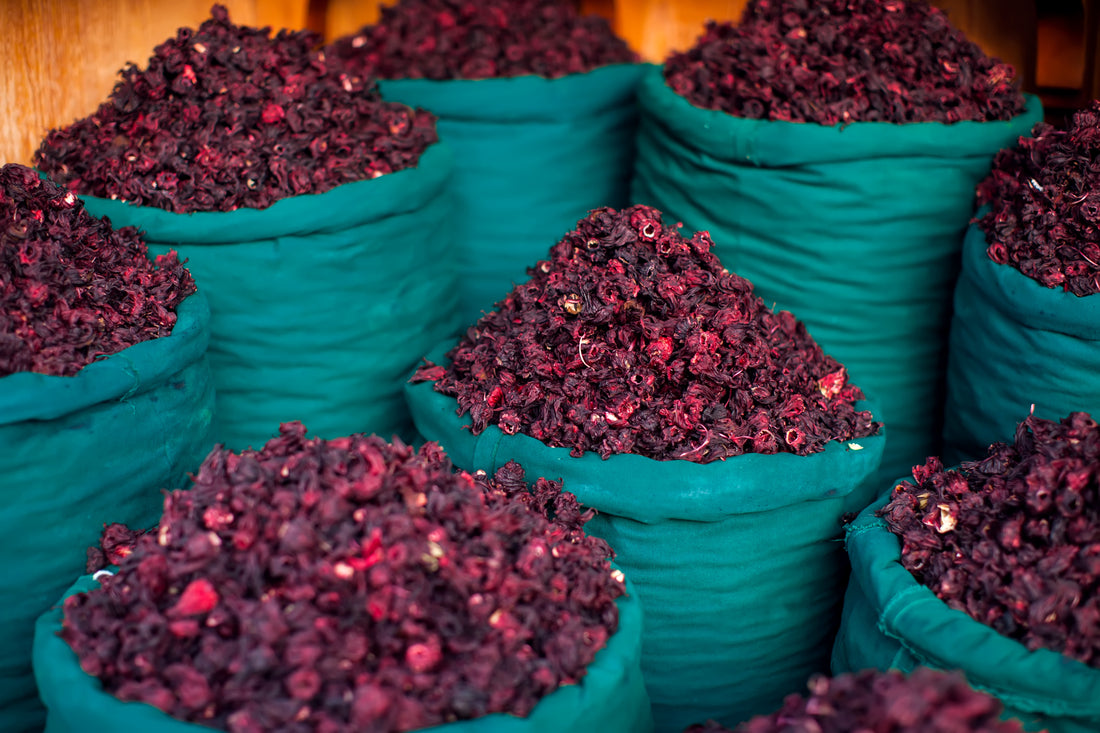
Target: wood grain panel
[(347, 16), (605, 8), (62, 56), (656, 27), (283, 14)]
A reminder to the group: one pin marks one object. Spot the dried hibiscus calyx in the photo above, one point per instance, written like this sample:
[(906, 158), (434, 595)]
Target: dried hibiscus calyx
[(116, 542), (226, 116), (632, 339), (928, 701), (347, 585), (1044, 198), (72, 289), (840, 61), (458, 39), (1013, 540)]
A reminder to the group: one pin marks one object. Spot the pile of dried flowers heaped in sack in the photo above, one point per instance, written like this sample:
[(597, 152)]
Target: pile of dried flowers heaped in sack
[(349, 584), (458, 39), (72, 289), (1013, 540), (841, 61), (633, 339), (1044, 196), (925, 701), (226, 116)]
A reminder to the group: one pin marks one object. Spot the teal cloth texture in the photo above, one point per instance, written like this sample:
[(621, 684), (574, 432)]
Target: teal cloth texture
[(610, 698), (738, 564), (892, 622), (82, 451), (320, 303), (532, 157), (1014, 343), (854, 229)]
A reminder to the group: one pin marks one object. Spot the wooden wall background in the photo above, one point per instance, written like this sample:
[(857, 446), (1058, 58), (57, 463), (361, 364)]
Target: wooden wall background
[(61, 56)]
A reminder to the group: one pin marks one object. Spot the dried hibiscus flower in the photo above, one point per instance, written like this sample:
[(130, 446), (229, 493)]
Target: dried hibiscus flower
[(1044, 196), (349, 585), (927, 701), (841, 61), (459, 39), (228, 116), (115, 543), (1013, 540), (72, 289), (632, 339)]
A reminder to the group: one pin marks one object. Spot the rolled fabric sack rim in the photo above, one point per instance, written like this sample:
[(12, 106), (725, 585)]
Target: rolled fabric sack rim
[(493, 100), (1041, 681), (132, 371), (779, 143), (690, 491), (350, 204), (1024, 299), (63, 677)]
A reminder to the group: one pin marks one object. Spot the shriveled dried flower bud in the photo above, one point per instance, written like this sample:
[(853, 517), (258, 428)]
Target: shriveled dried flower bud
[(115, 543)]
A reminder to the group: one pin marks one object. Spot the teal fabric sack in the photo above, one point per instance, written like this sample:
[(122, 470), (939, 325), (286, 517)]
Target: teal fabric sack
[(1014, 343), (320, 303), (856, 230), (611, 697), (532, 157), (738, 564), (892, 622), (78, 452)]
